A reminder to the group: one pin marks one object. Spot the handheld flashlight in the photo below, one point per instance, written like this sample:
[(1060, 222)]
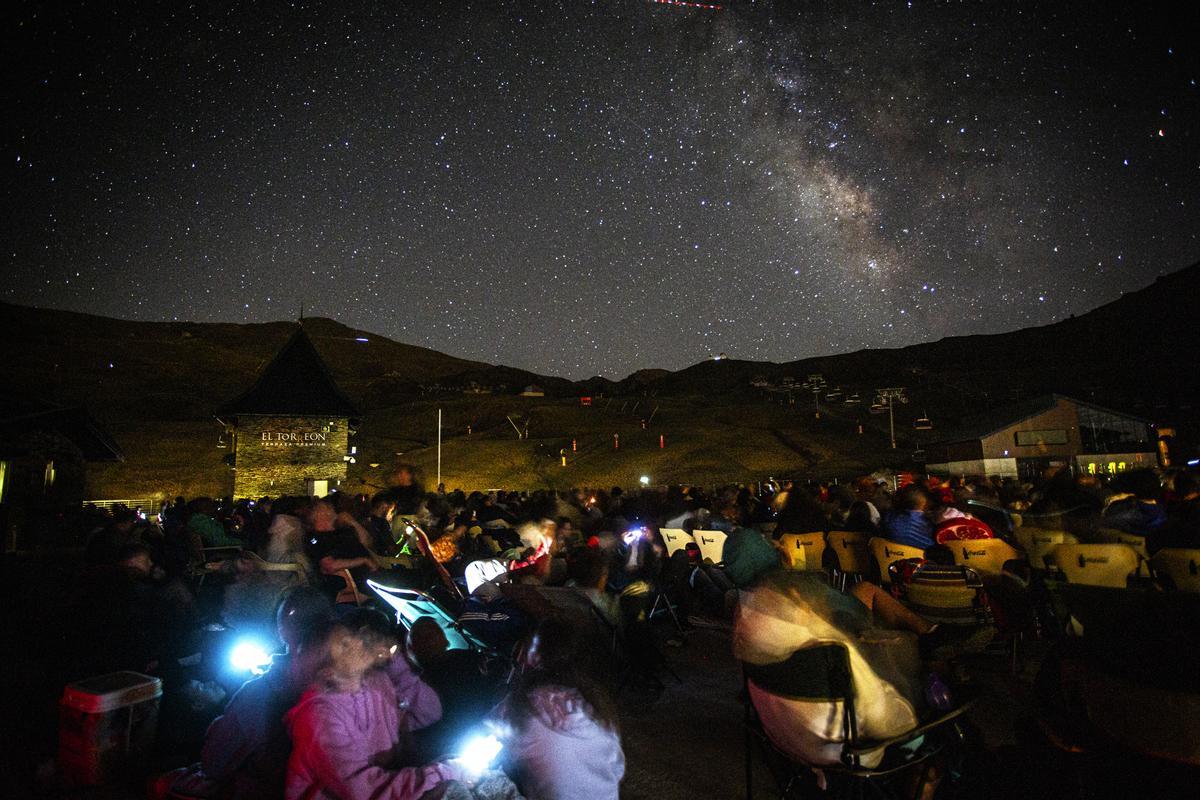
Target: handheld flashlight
[(249, 655), (479, 752)]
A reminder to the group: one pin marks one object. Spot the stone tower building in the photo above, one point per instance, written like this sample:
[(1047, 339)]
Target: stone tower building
[(291, 428)]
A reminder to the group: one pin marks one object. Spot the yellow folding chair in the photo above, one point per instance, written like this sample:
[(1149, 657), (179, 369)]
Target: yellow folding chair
[(802, 551), (675, 539), (1039, 544), (1181, 565), (985, 556), (852, 556), (1114, 536), (887, 553), (1109, 565)]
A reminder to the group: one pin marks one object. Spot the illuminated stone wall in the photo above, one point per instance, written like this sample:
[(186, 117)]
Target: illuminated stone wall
[(277, 455)]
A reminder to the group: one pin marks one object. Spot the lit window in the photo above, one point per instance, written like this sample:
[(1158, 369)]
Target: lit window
[(48, 479)]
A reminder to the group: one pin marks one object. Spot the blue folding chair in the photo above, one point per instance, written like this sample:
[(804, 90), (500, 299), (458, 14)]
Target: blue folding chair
[(411, 604)]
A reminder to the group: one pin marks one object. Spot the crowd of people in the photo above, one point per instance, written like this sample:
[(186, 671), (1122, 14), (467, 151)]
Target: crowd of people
[(356, 706)]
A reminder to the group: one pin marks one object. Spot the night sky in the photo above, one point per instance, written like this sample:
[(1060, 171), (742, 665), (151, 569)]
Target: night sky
[(591, 188)]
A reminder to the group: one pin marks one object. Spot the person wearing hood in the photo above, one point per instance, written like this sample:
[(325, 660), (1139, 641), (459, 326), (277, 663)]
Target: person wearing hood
[(246, 749), (349, 731), (559, 727)]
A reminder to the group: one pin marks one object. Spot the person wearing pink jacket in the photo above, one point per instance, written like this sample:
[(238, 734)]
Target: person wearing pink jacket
[(348, 730)]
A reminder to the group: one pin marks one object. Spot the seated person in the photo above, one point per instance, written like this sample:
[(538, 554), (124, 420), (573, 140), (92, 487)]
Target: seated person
[(246, 748), (1138, 507), (347, 729), (203, 523), (333, 549), (1183, 515), (486, 613), (907, 523), (465, 692), (558, 725), (788, 612), (379, 524)]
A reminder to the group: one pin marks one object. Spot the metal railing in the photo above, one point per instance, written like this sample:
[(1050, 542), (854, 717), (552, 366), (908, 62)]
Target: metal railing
[(147, 504)]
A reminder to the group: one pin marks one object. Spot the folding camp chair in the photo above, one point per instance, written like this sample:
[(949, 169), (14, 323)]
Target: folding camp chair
[(711, 544), (1181, 565), (675, 540), (411, 604), (851, 556), (350, 593), (1110, 565), (294, 568), (985, 556), (822, 673), (213, 559), (887, 553), (803, 551), (661, 601)]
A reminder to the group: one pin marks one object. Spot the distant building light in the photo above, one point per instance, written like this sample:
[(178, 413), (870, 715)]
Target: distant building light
[(361, 339), (644, 480)]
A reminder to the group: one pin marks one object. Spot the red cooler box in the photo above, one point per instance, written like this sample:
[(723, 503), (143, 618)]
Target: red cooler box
[(106, 726)]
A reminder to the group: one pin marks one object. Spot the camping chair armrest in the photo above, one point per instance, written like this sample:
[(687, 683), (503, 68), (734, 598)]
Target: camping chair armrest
[(862, 747), (405, 561), (223, 548)]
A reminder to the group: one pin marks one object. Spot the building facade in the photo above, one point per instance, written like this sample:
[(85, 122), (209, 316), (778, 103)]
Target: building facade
[(1025, 439), (291, 430)]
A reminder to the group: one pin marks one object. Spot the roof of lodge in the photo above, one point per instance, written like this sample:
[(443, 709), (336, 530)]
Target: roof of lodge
[(22, 414), (977, 426), (296, 382)]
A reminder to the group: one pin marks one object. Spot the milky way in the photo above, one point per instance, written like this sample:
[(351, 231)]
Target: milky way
[(592, 188)]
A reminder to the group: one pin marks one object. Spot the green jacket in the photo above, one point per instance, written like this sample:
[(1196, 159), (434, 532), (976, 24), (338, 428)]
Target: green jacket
[(211, 532), (747, 555)]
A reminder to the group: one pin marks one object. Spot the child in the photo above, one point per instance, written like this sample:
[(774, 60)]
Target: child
[(346, 731)]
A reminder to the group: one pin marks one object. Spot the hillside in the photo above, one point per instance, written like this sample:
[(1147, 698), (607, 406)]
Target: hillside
[(155, 385), (1137, 354)]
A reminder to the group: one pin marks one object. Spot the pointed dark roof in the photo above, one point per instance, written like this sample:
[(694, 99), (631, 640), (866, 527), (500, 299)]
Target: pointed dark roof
[(22, 414), (296, 382)]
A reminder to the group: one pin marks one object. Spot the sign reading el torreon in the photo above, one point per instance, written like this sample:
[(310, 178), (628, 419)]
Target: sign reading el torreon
[(295, 439)]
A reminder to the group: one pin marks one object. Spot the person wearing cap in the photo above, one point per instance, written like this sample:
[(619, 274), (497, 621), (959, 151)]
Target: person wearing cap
[(486, 613)]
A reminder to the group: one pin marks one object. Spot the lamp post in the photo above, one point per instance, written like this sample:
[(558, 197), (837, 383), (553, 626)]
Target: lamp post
[(888, 396)]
